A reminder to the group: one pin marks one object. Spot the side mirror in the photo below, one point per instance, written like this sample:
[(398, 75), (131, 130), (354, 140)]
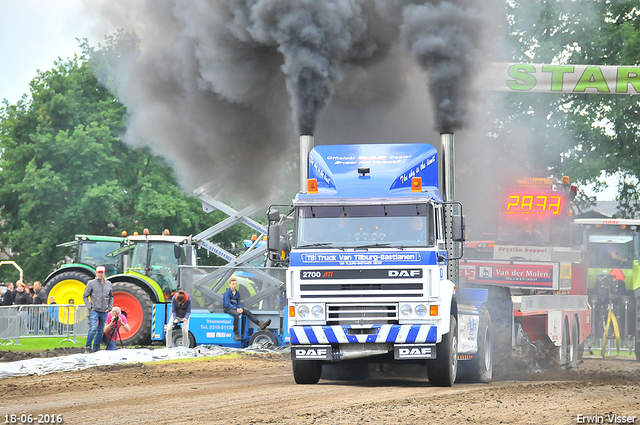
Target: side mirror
[(273, 215), (273, 238), (177, 251), (458, 228)]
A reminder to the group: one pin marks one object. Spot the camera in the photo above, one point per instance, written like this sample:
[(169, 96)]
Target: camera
[(115, 318)]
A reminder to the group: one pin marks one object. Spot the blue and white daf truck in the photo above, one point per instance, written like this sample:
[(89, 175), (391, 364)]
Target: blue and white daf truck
[(369, 259)]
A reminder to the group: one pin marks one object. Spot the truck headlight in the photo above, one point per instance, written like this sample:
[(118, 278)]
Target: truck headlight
[(406, 310), (303, 311), (421, 310), (317, 311)]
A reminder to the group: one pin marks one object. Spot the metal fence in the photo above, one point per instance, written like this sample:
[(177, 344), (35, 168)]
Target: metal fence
[(43, 321)]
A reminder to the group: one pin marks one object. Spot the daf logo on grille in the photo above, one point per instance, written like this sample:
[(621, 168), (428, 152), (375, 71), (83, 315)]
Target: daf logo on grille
[(405, 273)]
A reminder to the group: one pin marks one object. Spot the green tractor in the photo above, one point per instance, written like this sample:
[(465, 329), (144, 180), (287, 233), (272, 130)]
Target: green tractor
[(144, 270), (67, 283), (613, 279)]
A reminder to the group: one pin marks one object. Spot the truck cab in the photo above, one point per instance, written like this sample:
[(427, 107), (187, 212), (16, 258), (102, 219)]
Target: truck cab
[(367, 260)]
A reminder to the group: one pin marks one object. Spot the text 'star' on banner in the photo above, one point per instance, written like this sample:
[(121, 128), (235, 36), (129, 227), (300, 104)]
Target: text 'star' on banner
[(578, 79)]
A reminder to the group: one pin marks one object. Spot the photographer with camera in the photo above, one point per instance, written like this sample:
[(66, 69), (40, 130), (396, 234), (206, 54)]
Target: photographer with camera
[(180, 312), (115, 320)]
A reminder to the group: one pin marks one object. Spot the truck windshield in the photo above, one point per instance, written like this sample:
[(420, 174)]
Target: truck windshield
[(365, 226)]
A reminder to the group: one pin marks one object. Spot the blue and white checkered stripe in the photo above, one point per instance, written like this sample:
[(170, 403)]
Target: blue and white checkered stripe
[(395, 334)]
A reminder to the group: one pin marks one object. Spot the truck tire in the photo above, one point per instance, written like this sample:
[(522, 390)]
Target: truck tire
[(443, 370), (176, 338), (136, 303), (306, 371), (480, 369), (68, 287), (263, 339)]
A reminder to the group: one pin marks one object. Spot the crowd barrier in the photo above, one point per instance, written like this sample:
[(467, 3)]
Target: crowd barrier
[(43, 321)]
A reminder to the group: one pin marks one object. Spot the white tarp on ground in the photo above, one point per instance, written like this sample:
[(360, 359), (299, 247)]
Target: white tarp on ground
[(44, 366)]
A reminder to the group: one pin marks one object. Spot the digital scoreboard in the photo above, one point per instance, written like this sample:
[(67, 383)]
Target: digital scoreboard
[(533, 202)]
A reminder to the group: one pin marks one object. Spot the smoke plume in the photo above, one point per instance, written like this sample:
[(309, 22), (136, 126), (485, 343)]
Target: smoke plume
[(445, 39), (222, 88)]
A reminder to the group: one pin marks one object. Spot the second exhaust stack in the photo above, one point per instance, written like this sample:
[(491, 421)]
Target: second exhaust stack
[(306, 144), (447, 164)]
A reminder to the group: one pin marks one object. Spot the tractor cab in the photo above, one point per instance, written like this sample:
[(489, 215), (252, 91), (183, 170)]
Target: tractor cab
[(155, 257)]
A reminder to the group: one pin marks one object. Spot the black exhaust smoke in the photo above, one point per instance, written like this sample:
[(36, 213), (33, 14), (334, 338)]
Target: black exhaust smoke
[(445, 39), (214, 83)]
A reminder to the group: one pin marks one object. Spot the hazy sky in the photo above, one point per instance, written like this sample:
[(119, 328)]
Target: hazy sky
[(33, 34)]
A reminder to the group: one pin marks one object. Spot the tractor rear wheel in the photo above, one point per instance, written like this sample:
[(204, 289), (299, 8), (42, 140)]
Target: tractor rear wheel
[(135, 302), (67, 288)]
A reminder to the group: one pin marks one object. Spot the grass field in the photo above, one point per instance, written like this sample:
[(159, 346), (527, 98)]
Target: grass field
[(623, 353), (40, 344)]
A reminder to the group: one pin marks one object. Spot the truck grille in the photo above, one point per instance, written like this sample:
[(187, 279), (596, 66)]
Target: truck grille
[(387, 290), (362, 314)]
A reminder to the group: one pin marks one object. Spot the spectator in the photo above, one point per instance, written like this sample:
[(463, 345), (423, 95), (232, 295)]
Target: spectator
[(22, 296), (39, 294), (180, 313), (232, 305), (115, 321), (52, 312), (9, 295), (98, 297), (38, 318)]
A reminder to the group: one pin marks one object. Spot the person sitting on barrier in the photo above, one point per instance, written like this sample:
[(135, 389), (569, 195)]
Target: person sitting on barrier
[(232, 305), (22, 296), (180, 313), (7, 297), (100, 303), (115, 320)]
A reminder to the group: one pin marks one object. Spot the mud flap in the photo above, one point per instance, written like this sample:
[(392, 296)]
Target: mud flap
[(414, 351)]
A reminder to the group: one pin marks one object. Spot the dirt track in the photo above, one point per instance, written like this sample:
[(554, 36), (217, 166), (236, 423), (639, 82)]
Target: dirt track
[(260, 389)]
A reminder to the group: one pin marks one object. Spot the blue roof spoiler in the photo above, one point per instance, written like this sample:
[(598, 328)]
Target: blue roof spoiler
[(373, 171)]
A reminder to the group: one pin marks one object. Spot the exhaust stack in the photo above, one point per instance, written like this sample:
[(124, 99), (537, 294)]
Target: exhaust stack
[(306, 144), (447, 165)]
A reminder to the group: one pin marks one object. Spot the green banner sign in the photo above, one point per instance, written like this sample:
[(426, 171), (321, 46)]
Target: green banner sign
[(579, 79)]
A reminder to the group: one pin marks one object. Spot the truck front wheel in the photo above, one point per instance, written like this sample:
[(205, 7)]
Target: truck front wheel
[(306, 371), (442, 371)]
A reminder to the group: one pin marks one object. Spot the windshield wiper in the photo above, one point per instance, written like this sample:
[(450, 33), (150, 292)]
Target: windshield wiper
[(315, 245), (321, 244), (373, 245)]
